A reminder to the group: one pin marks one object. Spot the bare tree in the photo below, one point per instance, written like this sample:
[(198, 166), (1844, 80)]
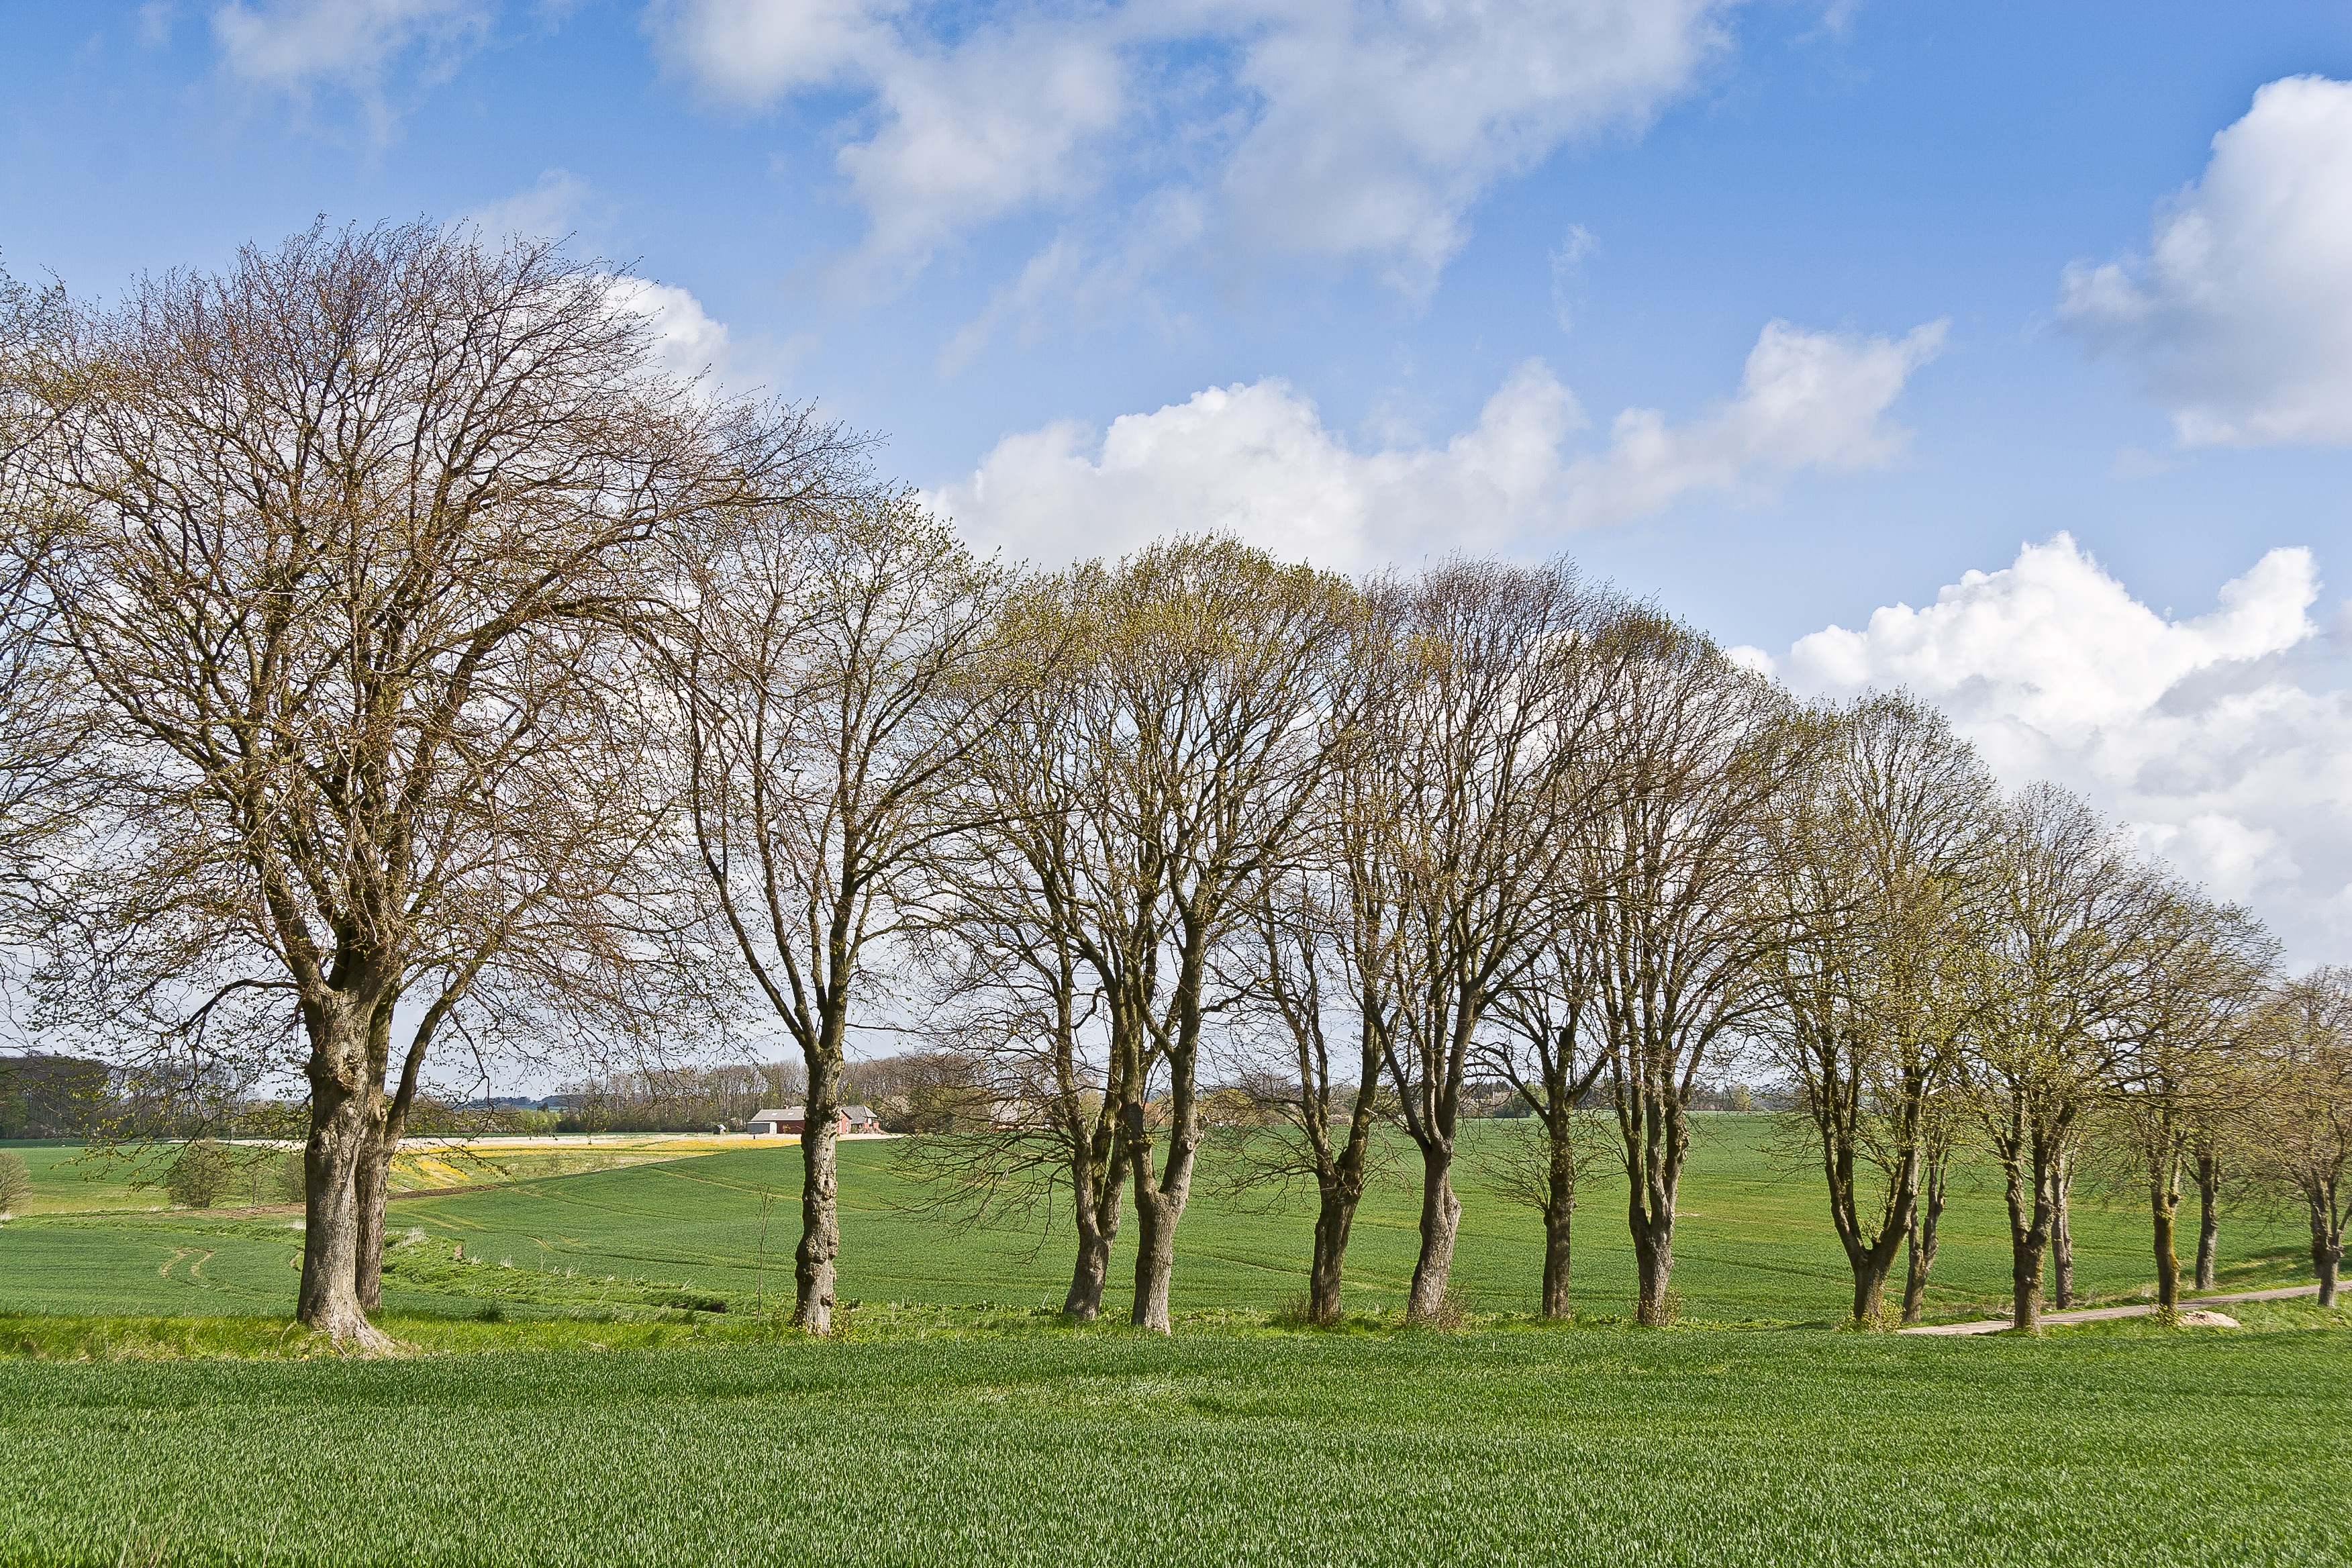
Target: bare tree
[(1553, 1056), (1010, 946), (1210, 666), (1302, 971), (1673, 881), (1314, 966), (2069, 935), (43, 795), (328, 540), (1878, 863), (836, 666), (2182, 1068), (2301, 1130), (1519, 668), (1938, 1133)]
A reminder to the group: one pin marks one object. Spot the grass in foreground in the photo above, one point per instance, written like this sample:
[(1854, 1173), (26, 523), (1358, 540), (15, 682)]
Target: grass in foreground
[(1627, 1447)]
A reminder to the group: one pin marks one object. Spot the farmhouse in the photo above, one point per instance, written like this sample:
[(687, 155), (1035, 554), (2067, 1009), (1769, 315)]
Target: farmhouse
[(794, 1119)]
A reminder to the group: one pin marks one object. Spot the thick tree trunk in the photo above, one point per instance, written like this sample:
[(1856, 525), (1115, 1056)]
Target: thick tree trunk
[(2025, 1283), (1155, 1257), (340, 1105), (1096, 1195), (1559, 1219), (1440, 1217), (372, 1187), (1654, 1169), (2164, 1204), (1870, 1258), (2030, 1221), (2327, 1254), (1087, 1277), (2209, 1216), (813, 1261), (1870, 1272), (1653, 1272), (1159, 1207), (1335, 1219), (1919, 1244)]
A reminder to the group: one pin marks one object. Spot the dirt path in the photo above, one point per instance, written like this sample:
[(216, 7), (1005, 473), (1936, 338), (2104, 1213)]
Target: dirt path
[(2100, 1314)]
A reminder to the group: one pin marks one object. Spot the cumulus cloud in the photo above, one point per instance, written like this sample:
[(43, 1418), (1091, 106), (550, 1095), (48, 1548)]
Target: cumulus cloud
[(2212, 736), (1806, 400), (1307, 127), (688, 343), (1257, 460), (2238, 320)]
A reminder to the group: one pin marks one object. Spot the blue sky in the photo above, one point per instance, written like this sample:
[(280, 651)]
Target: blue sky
[(1903, 290)]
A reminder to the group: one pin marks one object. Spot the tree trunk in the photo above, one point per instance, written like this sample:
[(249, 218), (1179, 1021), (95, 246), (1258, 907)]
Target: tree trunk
[(2327, 1253), (1159, 1206), (1095, 1181), (1919, 1244), (340, 1096), (2209, 1216), (371, 1189), (1870, 1272), (1558, 1218), (820, 1199), (1440, 1216), (2164, 1204), (1335, 1217), (2030, 1221), (1654, 1176), (1653, 1272)]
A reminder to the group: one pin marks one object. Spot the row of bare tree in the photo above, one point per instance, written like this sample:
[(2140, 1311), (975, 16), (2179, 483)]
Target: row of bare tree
[(399, 664), (1523, 829)]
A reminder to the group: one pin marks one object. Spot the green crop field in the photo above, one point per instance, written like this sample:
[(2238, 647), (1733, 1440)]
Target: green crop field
[(1754, 1243), (593, 1383), (1621, 1447)]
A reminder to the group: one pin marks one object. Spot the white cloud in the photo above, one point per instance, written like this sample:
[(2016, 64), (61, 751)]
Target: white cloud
[(748, 51), (1008, 120), (1309, 127), (1379, 125), (2211, 736), (550, 208), (689, 344), (1806, 400), (295, 44), (1008, 115), (2239, 321), (1257, 459)]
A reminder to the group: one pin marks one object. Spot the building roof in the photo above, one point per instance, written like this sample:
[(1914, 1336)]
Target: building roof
[(859, 1113), (789, 1113)]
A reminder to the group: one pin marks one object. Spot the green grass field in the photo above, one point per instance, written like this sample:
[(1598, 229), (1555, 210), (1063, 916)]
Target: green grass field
[(1615, 1447), (1754, 1243), (595, 1384)]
